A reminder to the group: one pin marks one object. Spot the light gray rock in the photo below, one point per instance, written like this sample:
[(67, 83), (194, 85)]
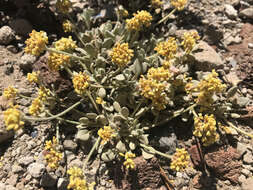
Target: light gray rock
[(248, 158), (26, 160), (16, 168), (250, 45), (247, 13), (62, 184), (242, 179), (206, 57), (2, 186), (48, 180), (230, 11), (247, 184), (70, 145), (36, 170), (12, 180), (245, 172), (10, 187), (6, 35), (241, 148), (26, 61)]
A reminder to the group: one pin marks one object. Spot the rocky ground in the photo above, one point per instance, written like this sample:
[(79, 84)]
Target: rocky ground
[(226, 30)]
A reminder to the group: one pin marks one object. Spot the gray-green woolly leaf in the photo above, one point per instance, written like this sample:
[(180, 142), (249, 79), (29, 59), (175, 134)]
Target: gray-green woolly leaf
[(137, 67), (82, 51), (120, 77), (121, 147), (232, 91), (87, 13), (108, 42), (86, 37), (100, 60), (117, 106), (146, 155), (144, 139), (102, 119), (84, 120), (108, 156), (101, 92), (118, 117), (91, 115), (141, 55), (140, 112), (108, 108), (125, 112), (109, 34), (132, 146), (91, 50), (134, 133), (82, 135)]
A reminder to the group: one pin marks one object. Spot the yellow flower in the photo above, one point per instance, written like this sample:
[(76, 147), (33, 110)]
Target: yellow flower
[(106, 134), (36, 107), (67, 26), (77, 181), (10, 92), (121, 54), (180, 160), (189, 41), (178, 4), (36, 44), (166, 64), (53, 157), (159, 74), (33, 77), (65, 44), (100, 100), (205, 128), (80, 82), (167, 49), (128, 163), (140, 19), (43, 93), (156, 3), (63, 6), (12, 118), (55, 61)]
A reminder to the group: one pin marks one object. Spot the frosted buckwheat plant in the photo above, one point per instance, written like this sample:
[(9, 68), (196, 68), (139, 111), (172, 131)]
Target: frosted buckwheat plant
[(12, 118), (106, 134), (167, 49), (180, 160), (10, 92), (81, 82), (140, 19)]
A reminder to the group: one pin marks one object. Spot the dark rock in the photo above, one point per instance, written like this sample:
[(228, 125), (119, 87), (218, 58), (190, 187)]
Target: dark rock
[(48, 180), (195, 156)]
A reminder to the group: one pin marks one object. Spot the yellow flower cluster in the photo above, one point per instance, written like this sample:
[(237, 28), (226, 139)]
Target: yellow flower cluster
[(33, 77), (121, 54), (167, 49), (156, 3), (153, 87), (189, 41), (67, 26), (80, 82), (128, 163), (178, 4), (12, 118), (140, 19), (36, 44), (100, 100), (166, 64), (106, 134), (37, 104), (53, 157), (10, 92), (55, 60), (77, 181), (63, 6), (65, 44), (205, 128), (36, 107), (180, 160), (208, 87)]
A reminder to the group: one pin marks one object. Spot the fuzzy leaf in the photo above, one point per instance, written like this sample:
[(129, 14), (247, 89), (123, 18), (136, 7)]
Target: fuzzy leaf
[(101, 92), (82, 135), (91, 115), (146, 155), (125, 112), (108, 42), (121, 147), (116, 106), (84, 120)]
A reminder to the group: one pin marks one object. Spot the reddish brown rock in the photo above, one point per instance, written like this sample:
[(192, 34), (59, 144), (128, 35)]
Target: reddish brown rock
[(225, 163), (60, 80)]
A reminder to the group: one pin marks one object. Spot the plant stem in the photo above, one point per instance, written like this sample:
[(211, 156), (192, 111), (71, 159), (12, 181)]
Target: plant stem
[(95, 146), (154, 151), (166, 17), (175, 114), (240, 130), (53, 117), (93, 102), (66, 120), (137, 108)]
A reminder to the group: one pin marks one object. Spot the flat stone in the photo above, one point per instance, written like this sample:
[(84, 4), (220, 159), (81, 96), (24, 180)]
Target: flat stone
[(2, 186), (241, 179), (241, 148), (26, 160), (10, 187), (245, 172), (12, 180), (248, 158), (230, 11), (70, 145), (247, 184), (247, 13), (48, 180), (36, 170), (21, 26), (16, 169), (195, 156), (206, 58), (6, 35)]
